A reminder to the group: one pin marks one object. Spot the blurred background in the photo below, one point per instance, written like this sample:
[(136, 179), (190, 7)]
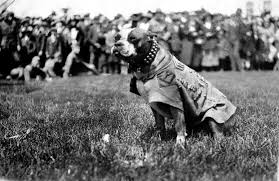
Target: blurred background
[(42, 40), (127, 7)]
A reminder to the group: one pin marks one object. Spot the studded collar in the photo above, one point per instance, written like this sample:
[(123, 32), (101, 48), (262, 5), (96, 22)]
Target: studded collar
[(137, 66)]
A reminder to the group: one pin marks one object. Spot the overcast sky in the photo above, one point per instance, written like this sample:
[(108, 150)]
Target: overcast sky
[(111, 7)]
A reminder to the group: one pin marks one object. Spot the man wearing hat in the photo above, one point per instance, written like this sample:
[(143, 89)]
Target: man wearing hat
[(87, 39), (53, 54), (234, 34), (9, 44)]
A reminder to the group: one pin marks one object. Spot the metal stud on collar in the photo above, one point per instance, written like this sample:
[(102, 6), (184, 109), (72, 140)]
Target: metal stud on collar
[(151, 55)]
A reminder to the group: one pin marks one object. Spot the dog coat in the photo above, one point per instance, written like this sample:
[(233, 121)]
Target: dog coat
[(171, 82)]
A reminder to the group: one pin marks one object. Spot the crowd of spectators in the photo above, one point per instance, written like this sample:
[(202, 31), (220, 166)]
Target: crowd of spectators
[(62, 46)]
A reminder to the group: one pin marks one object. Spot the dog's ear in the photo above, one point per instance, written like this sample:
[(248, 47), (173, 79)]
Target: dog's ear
[(151, 35), (147, 36)]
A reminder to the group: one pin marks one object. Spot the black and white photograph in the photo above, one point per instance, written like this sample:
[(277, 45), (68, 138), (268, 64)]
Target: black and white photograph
[(139, 90)]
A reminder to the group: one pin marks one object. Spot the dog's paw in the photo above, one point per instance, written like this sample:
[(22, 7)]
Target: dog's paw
[(146, 136), (218, 136), (180, 141)]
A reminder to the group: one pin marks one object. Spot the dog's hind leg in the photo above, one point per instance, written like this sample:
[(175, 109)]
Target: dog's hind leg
[(215, 128)]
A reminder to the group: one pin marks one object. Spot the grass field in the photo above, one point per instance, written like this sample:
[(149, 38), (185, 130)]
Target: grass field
[(53, 131)]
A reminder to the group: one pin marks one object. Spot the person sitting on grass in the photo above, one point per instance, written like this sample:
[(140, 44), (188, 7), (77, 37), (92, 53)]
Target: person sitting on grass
[(16, 74), (33, 70), (74, 65), (53, 66)]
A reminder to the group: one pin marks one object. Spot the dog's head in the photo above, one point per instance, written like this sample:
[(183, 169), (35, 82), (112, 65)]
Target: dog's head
[(132, 43)]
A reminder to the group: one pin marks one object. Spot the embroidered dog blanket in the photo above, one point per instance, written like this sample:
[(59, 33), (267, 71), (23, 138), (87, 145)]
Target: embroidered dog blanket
[(173, 83)]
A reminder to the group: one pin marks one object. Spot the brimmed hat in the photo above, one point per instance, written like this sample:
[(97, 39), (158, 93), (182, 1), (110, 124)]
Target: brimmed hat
[(53, 30)]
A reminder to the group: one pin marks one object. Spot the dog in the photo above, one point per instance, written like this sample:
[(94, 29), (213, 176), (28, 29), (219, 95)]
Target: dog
[(172, 89)]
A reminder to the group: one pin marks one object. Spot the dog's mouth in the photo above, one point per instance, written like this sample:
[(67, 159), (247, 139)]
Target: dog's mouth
[(122, 52), (126, 53)]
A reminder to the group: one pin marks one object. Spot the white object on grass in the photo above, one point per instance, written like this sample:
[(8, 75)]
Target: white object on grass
[(106, 138)]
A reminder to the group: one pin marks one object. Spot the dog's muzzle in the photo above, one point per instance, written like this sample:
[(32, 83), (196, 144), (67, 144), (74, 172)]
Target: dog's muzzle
[(117, 47), (123, 49)]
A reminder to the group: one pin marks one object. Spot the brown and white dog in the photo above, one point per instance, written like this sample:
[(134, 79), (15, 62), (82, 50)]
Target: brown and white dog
[(172, 89)]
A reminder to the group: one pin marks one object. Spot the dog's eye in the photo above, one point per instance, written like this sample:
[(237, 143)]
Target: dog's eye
[(117, 37)]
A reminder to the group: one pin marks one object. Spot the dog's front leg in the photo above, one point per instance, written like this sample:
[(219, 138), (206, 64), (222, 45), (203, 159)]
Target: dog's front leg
[(159, 124), (180, 126), (159, 127)]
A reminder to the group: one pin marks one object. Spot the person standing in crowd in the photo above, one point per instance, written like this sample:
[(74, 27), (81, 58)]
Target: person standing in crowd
[(234, 33), (158, 26), (276, 57), (144, 22), (196, 36), (91, 39), (9, 44), (106, 59), (73, 30), (71, 59), (262, 44), (110, 63), (276, 44), (27, 52), (224, 47), (53, 54), (175, 45), (28, 45), (174, 39), (87, 38), (41, 37), (277, 29), (186, 44), (210, 59), (64, 37)]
